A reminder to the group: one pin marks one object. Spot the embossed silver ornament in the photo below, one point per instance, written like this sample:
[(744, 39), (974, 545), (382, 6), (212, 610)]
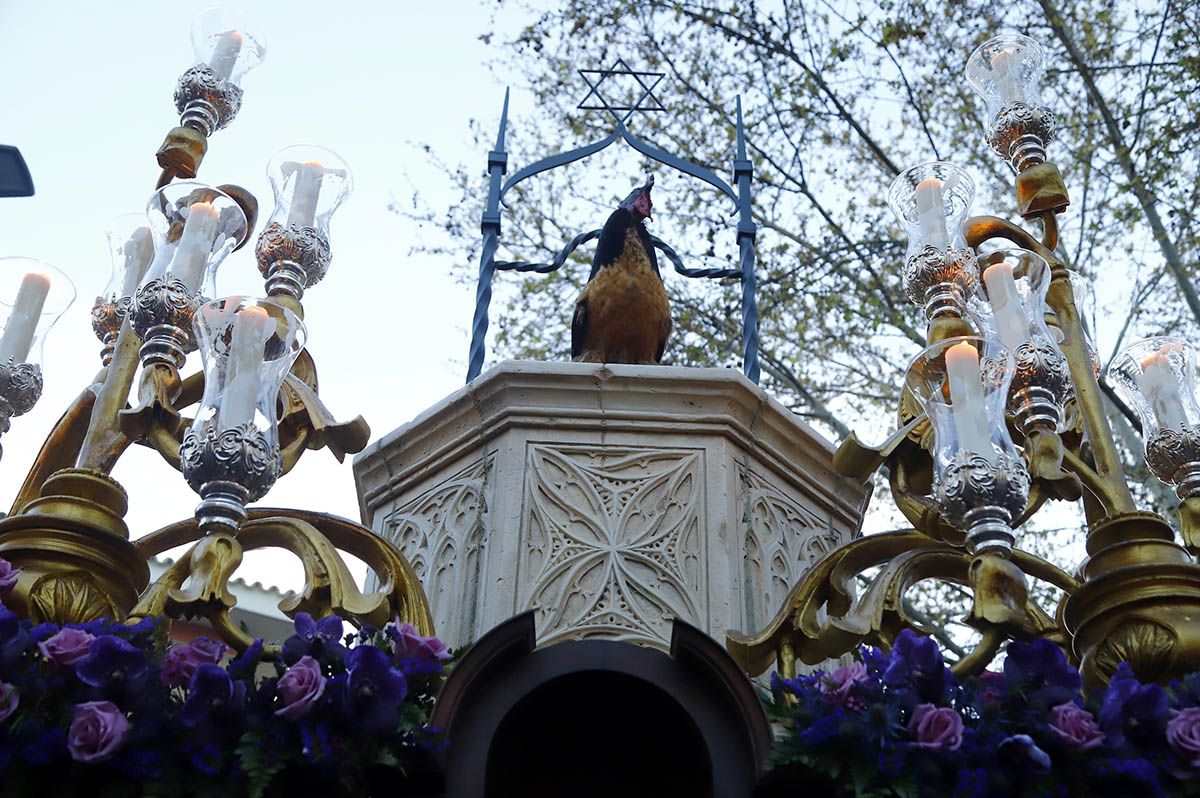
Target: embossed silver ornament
[(1173, 455), (940, 281), (1020, 132), (228, 468), (107, 317), (983, 497), (292, 258), (205, 100), (161, 314), (1041, 383)]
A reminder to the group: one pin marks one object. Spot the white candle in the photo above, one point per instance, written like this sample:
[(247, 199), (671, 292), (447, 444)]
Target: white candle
[(250, 333), (1162, 389), (304, 197), (930, 214), (1005, 71), (224, 57), (22, 322), (966, 400), (195, 245), (139, 251), (1006, 306)]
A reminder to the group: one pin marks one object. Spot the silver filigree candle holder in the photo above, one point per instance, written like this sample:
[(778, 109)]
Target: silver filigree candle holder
[(932, 201), (1006, 71), (195, 227), (980, 482), (208, 95), (1157, 378), (230, 455), (309, 183), (1011, 308), (33, 295)]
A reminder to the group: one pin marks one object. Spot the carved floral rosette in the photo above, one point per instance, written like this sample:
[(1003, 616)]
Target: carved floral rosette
[(20, 388), (1041, 383), (982, 497), (940, 281), (293, 255), (1020, 132), (241, 455), (206, 100), (1173, 455)]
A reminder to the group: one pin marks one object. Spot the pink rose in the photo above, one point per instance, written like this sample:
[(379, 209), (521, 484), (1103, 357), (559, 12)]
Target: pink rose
[(9, 700), (936, 727), (1183, 734), (839, 685), (1075, 727), (97, 731), (181, 662), (300, 688), (66, 647), (8, 576), (411, 645)]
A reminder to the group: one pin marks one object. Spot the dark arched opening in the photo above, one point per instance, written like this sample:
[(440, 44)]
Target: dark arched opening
[(599, 717), (598, 733)]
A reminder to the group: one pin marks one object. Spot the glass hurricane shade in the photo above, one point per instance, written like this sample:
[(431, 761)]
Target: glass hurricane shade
[(222, 39), (1006, 69), (932, 201), (247, 347), (1157, 378), (195, 227), (131, 247), (980, 483), (33, 295), (309, 184), (1010, 309)]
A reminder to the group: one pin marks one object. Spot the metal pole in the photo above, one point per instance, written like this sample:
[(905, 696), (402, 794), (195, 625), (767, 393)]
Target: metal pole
[(746, 231), (490, 226)]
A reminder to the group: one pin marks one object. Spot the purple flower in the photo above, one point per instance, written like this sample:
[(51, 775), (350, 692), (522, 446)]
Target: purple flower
[(318, 639), (1183, 735), (412, 645), (212, 692), (1041, 669), (97, 731), (990, 686), (9, 700), (916, 672), (839, 686), (181, 662), (1021, 752), (1133, 710), (111, 663), (374, 689), (936, 727), (8, 577), (1075, 727), (66, 647), (300, 688)]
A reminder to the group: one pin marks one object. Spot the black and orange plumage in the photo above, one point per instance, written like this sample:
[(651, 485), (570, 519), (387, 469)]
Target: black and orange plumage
[(622, 315)]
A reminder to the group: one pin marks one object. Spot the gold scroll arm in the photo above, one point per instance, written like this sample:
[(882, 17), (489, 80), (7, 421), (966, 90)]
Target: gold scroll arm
[(821, 618), (315, 539)]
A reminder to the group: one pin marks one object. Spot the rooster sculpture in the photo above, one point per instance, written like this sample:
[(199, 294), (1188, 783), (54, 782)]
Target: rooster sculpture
[(622, 315)]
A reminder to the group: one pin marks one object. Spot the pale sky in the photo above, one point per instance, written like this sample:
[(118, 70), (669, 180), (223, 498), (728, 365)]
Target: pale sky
[(86, 95)]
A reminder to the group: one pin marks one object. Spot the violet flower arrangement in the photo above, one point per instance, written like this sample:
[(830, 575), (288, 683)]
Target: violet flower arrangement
[(901, 725), (111, 708)]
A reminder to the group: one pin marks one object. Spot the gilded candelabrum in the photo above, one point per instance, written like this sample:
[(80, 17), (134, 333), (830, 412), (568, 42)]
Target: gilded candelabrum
[(969, 465), (256, 408)]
